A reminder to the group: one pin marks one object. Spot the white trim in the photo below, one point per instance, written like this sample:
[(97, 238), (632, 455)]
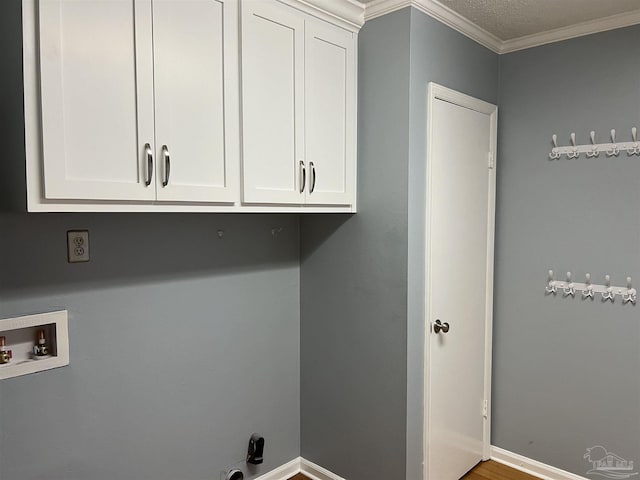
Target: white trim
[(513, 460), (449, 17), (440, 12), (283, 472), (348, 14), (434, 92), (299, 465), (532, 467), (316, 472), (620, 20)]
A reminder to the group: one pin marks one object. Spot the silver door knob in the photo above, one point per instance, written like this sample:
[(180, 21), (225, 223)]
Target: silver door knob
[(439, 326)]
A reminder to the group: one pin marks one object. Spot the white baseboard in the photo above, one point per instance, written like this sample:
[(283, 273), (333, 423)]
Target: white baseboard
[(316, 472), (532, 467), (283, 472), (299, 465), (513, 460)]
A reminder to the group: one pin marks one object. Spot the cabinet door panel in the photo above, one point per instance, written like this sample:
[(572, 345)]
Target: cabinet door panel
[(97, 98), (330, 112), (272, 102), (195, 49)]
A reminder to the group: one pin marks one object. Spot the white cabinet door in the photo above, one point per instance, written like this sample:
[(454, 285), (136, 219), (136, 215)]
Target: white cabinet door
[(195, 59), (97, 99), (272, 102), (330, 106)]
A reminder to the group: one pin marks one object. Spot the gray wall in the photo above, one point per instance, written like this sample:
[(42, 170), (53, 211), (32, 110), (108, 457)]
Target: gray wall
[(362, 278), (182, 345), (354, 283), (566, 371), (444, 56)]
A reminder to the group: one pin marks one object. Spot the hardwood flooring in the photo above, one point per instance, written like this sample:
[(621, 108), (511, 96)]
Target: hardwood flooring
[(484, 471), (496, 471)]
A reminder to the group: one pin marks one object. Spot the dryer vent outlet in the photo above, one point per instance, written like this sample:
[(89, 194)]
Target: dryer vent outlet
[(234, 475), (256, 449)]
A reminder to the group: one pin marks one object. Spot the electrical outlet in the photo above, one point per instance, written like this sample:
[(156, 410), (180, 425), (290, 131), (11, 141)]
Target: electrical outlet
[(78, 246)]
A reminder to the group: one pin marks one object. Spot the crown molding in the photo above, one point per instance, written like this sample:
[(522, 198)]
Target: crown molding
[(620, 20), (444, 14), (347, 13)]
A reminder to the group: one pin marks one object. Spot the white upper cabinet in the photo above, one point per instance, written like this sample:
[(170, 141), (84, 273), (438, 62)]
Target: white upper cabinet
[(97, 99), (298, 107), (190, 105), (273, 102), (195, 60), (330, 107), (105, 67)]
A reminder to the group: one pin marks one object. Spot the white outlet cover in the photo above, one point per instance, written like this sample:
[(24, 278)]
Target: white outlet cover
[(78, 246)]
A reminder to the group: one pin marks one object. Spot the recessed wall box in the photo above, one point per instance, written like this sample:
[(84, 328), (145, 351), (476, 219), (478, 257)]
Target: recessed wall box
[(21, 333)]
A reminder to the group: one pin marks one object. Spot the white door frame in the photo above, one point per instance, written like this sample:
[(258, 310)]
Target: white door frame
[(438, 92)]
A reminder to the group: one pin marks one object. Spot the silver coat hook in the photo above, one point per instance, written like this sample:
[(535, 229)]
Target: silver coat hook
[(608, 294), (634, 149), (554, 155), (552, 287), (614, 149), (569, 290), (594, 148), (632, 295), (574, 152), (588, 293)]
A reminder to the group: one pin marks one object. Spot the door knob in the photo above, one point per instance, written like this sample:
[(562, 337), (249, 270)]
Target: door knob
[(438, 326)]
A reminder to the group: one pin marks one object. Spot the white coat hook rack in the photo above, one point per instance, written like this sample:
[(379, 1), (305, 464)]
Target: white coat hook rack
[(593, 149), (608, 292)]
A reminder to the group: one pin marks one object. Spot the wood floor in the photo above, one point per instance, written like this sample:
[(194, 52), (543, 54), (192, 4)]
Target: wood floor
[(496, 471), (485, 471)]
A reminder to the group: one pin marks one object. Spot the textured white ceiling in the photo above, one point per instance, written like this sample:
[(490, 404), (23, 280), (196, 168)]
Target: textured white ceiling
[(509, 19)]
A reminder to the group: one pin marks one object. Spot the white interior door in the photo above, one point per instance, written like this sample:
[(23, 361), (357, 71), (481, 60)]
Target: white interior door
[(195, 60), (272, 103), (330, 113), (461, 184), (96, 70)]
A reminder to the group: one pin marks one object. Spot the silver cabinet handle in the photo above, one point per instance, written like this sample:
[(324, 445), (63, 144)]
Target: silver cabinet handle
[(167, 165), (313, 177), (149, 153), (438, 326), (304, 176)]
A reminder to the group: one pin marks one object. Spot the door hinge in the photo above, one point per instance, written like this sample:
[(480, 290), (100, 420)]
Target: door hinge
[(485, 409), (492, 163)]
